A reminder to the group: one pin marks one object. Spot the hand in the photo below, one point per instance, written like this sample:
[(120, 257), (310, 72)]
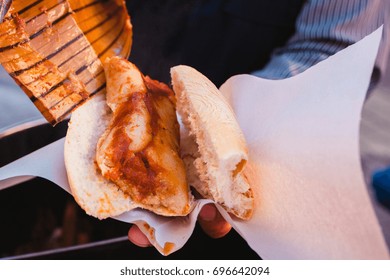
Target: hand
[(209, 219), (212, 222)]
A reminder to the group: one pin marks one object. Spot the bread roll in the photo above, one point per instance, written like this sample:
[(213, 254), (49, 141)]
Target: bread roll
[(126, 154), (213, 145), (97, 196)]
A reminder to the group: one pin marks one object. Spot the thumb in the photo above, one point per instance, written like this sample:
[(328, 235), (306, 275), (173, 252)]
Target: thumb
[(212, 222)]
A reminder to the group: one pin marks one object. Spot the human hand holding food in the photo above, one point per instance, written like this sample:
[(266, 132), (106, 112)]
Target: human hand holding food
[(210, 220)]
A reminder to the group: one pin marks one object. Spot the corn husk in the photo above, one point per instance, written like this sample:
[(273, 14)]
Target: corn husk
[(54, 49)]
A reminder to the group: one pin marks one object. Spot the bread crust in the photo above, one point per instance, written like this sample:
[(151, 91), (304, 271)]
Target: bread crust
[(213, 145), (97, 196)]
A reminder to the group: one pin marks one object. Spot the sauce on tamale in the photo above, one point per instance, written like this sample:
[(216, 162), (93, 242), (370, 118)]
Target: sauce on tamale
[(148, 170)]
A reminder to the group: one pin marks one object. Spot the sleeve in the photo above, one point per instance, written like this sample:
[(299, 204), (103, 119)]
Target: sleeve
[(325, 27)]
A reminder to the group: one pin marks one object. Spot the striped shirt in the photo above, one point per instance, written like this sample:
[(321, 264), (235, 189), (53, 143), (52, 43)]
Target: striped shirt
[(325, 27)]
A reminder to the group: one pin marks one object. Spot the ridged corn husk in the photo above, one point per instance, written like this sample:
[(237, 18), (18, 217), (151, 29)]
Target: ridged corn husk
[(54, 49)]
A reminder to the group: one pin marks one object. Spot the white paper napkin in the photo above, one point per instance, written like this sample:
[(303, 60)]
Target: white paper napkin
[(303, 137)]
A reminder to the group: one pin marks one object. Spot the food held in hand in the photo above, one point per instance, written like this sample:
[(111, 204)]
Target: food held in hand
[(124, 150), (128, 157), (213, 145)]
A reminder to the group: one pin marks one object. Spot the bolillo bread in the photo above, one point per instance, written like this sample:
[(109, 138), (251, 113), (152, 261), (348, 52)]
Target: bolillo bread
[(212, 146), (212, 143), (122, 148), (97, 196)]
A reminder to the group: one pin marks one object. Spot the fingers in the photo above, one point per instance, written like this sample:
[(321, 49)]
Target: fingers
[(212, 222), (136, 236)]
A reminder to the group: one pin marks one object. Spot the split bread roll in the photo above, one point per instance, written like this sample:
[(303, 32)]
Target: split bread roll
[(123, 150), (213, 146), (96, 195)]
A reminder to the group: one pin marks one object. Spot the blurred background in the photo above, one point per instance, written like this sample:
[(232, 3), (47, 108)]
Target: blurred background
[(375, 143)]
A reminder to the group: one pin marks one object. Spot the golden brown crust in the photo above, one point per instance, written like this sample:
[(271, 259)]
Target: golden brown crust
[(47, 50)]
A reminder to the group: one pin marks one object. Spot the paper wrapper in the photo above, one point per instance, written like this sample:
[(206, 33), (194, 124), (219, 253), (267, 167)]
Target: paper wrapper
[(304, 166)]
